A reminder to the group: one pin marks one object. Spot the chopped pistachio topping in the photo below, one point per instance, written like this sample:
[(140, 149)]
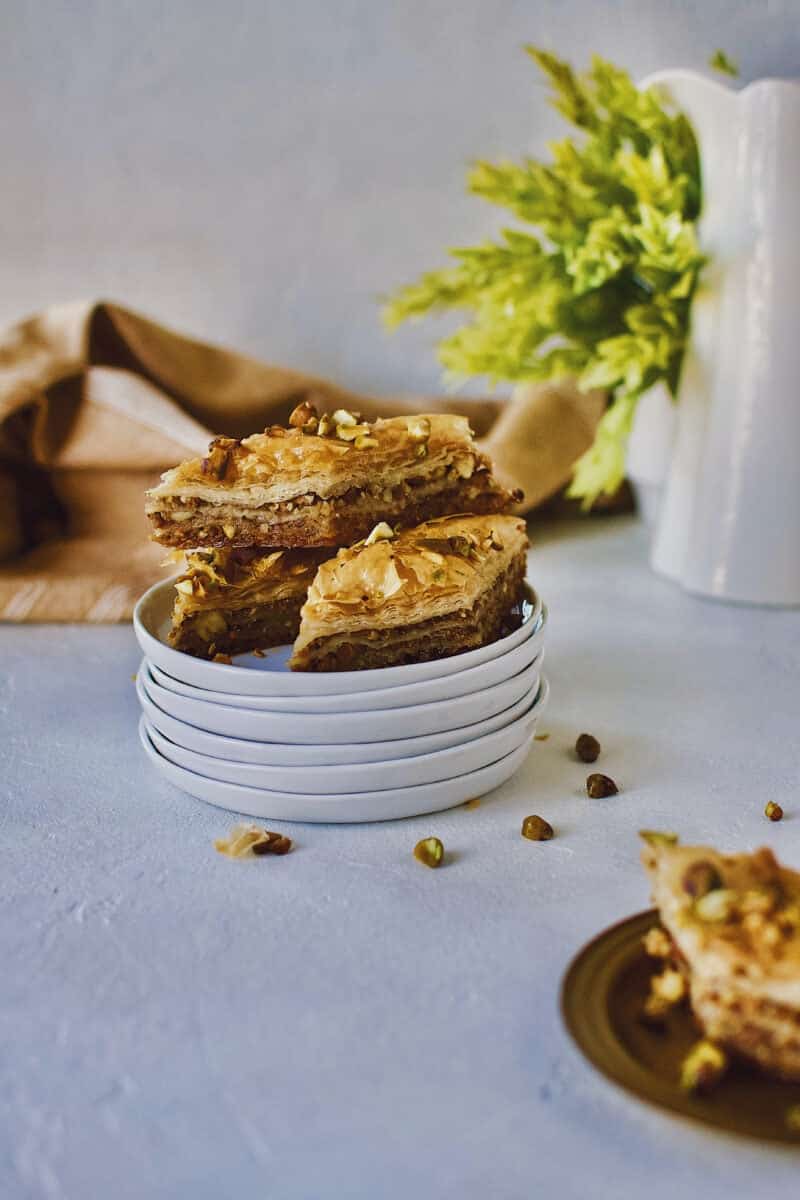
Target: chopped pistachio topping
[(382, 532), (703, 1067), (344, 418), (655, 837), (716, 906)]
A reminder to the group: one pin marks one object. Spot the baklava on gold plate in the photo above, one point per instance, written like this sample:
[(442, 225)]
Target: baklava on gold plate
[(326, 481), (734, 922), (438, 589), (232, 601)]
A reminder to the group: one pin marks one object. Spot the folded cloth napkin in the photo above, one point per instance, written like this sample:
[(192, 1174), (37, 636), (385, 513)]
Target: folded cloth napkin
[(96, 401)]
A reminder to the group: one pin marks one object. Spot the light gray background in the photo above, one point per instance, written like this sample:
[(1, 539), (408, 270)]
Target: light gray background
[(258, 171), (342, 1024)]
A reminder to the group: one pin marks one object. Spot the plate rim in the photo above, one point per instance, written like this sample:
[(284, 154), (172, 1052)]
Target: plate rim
[(645, 1086), (434, 757), (307, 683), (351, 714), (530, 697), (379, 699), (170, 769)]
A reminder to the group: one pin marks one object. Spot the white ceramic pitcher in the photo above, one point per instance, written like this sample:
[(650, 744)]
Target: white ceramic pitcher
[(728, 522)]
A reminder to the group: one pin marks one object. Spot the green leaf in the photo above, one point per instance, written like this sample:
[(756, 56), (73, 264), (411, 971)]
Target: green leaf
[(719, 61), (599, 282)]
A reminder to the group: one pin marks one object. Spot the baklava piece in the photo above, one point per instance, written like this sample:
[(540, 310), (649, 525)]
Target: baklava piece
[(439, 589), (734, 925), (232, 601), (326, 481)]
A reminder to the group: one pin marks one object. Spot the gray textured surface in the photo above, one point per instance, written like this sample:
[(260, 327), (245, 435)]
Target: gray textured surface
[(342, 1023), (259, 171)]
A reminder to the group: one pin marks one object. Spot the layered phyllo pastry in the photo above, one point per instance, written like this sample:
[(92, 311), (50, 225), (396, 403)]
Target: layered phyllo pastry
[(437, 589), (733, 928), (324, 481), (231, 601)]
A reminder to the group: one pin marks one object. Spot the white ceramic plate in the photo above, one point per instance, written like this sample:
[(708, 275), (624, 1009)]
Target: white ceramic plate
[(316, 729), (460, 683), (271, 754), (360, 777), (356, 806), (270, 676)]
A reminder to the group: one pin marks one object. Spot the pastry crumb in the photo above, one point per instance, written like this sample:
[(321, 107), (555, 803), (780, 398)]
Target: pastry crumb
[(246, 840)]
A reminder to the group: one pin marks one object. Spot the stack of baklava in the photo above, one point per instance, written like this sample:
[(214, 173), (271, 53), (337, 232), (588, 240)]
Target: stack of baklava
[(365, 544)]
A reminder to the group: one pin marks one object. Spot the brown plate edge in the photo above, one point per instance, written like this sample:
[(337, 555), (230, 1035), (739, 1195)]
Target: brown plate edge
[(633, 1078)]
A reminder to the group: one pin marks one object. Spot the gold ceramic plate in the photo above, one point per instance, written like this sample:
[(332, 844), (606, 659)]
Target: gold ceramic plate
[(603, 993)]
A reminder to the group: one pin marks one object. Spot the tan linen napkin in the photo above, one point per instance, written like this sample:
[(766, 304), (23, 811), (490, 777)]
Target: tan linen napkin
[(96, 401)]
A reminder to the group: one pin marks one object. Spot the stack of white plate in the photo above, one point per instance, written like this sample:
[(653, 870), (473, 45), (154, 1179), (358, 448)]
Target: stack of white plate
[(260, 739)]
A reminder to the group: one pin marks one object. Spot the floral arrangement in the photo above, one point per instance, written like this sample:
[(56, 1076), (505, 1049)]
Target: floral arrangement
[(597, 281)]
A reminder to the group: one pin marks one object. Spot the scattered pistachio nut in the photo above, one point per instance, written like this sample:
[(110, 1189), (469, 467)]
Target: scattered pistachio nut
[(222, 658), (325, 425), (599, 786), (703, 1067), (716, 906), (365, 442), (587, 748), (773, 811), (536, 829), (272, 843), (245, 840), (429, 852)]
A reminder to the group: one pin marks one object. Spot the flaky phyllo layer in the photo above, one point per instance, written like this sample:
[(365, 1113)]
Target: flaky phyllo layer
[(302, 485), (428, 574), (734, 921), (225, 598)]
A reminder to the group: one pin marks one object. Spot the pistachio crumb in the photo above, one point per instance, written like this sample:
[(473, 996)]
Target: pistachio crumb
[(773, 811), (536, 829), (429, 852), (382, 532), (656, 943), (703, 1067), (344, 418), (474, 803), (222, 658), (541, 737)]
